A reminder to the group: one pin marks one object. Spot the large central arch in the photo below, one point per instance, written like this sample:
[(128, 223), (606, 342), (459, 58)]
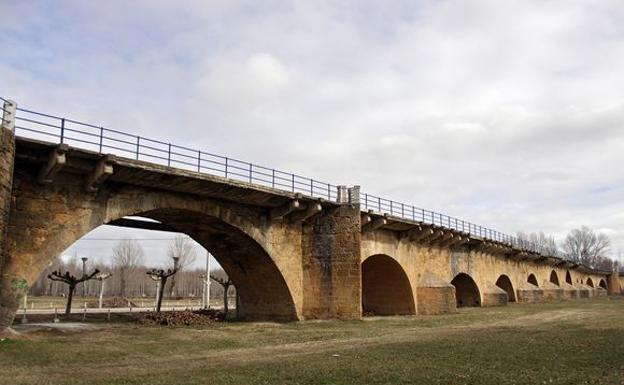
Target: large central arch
[(505, 283), (385, 287), (247, 250), (466, 291)]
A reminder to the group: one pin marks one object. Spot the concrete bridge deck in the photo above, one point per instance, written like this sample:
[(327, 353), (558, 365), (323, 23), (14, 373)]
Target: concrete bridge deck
[(291, 254)]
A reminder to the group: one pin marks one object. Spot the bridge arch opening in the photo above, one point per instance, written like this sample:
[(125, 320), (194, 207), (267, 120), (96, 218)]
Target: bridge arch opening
[(568, 277), (554, 278), (505, 283), (603, 284), (386, 289), (589, 282), (532, 280), (466, 291), (261, 288)]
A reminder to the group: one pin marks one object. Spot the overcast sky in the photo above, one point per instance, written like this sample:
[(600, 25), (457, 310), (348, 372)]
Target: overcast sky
[(509, 114)]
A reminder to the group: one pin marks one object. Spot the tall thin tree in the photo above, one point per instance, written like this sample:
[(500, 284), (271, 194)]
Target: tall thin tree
[(127, 256), (183, 254)]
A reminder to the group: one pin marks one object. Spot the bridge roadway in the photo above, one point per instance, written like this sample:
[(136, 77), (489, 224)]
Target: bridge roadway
[(291, 255)]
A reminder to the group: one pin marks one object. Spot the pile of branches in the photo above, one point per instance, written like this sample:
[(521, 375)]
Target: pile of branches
[(112, 302), (179, 318)]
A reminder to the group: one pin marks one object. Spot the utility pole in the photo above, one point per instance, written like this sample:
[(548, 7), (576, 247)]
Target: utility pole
[(207, 283), (84, 272)]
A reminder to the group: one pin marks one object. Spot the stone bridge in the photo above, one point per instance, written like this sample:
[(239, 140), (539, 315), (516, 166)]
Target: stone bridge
[(291, 255)]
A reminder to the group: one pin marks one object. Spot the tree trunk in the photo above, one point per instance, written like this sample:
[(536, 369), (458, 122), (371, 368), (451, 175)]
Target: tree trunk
[(172, 286), (225, 299), (161, 290), (122, 284), (70, 295)]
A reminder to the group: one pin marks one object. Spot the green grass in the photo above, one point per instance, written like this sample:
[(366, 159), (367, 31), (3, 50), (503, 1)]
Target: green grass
[(575, 342)]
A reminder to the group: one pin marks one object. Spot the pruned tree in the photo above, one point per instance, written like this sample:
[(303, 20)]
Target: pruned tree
[(588, 248), (127, 256), (160, 276), (71, 281), (183, 254), (542, 243), (225, 282), (102, 277)]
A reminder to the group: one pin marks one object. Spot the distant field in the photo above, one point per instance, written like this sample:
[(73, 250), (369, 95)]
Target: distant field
[(575, 342), (78, 302)]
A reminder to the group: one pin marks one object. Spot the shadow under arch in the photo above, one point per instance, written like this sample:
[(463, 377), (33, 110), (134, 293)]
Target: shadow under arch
[(589, 282), (532, 280), (568, 277), (466, 291), (603, 284), (505, 283), (554, 278), (386, 289)]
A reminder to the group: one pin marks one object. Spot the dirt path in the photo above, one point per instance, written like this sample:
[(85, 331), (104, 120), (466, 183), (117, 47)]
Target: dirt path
[(208, 359)]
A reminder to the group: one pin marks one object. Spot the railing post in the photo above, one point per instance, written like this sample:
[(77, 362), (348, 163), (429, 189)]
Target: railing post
[(273, 178), (169, 155), (293, 182), (226, 167), (250, 173), (199, 161), (101, 138), (379, 203), (365, 201), (138, 147), (311, 187), (62, 129)]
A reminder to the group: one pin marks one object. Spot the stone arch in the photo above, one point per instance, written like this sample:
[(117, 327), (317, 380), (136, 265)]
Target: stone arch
[(568, 277), (589, 282), (603, 284), (467, 292), (386, 289), (554, 278), (505, 283), (532, 280), (238, 239)]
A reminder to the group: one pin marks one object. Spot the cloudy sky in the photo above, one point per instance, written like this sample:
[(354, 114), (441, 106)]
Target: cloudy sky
[(509, 114)]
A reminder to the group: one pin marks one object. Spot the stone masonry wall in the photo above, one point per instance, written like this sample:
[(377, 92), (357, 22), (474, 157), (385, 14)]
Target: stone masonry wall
[(331, 265), (8, 301)]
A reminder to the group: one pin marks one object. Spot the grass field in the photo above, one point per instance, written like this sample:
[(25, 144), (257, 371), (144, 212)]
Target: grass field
[(575, 342)]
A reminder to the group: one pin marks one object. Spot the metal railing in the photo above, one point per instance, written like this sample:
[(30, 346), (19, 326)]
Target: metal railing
[(50, 128)]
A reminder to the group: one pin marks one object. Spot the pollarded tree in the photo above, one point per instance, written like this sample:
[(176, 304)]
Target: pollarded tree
[(161, 276), (183, 254), (71, 281), (588, 248), (225, 282)]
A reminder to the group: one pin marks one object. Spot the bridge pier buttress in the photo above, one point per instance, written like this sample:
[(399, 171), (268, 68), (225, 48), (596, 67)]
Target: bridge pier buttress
[(331, 263), (9, 288)]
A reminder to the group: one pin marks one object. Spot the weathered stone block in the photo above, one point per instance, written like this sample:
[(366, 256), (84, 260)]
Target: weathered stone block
[(434, 295)]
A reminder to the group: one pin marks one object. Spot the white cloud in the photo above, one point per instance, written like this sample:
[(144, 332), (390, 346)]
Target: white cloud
[(508, 114)]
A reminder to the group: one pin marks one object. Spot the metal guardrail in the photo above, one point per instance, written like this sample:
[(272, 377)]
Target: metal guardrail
[(50, 128)]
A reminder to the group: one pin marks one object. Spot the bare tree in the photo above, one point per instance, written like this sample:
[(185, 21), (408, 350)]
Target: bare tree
[(71, 281), (588, 248), (183, 254), (225, 282), (160, 276), (127, 256), (542, 243)]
